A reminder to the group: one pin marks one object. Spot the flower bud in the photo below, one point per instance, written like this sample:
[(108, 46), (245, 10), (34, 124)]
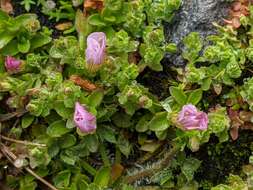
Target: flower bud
[(84, 120), (12, 65), (190, 118), (95, 52)]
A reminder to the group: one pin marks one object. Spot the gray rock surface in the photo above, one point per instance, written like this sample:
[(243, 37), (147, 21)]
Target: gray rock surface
[(194, 16)]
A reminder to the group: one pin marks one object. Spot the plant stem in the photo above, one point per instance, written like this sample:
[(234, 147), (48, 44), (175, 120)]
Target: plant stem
[(8, 116), (149, 172), (117, 156), (81, 41), (103, 155), (40, 178), (12, 157), (88, 168), (21, 142)]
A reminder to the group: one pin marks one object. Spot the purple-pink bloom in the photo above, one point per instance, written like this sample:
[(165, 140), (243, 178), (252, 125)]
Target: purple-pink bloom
[(190, 118), (95, 52), (12, 64), (84, 120)]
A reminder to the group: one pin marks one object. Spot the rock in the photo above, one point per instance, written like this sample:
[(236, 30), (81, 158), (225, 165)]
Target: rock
[(193, 16)]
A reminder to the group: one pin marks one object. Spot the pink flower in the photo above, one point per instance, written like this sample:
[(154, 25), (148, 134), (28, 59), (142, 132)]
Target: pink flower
[(84, 120), (12, 65), (95, 52), (190, 118)]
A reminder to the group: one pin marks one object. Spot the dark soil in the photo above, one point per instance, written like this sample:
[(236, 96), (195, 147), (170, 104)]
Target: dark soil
[(221, 159), (158, 83), (44, 19)]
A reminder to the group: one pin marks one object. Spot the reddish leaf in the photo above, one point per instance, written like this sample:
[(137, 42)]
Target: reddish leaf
[(246, 116), (6, 6), (116, 172), (234, 117), (234, 133), (83, 83), (64, 26), (93, 4), (217, 88), (247, 126)]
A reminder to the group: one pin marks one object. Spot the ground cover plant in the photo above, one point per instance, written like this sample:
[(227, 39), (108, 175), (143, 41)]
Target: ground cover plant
[(77, 111)]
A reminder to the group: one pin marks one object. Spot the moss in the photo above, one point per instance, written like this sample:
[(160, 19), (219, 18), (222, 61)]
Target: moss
[(221, 159)]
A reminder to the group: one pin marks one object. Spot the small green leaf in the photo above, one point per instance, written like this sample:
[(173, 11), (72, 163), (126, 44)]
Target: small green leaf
[(96, 20), (5, 38), (3, 15), (61, 109), (161, 135), (124, 145), (27, 120), (189, 167), (57, 129), (92, 142), (67, 141), (206, 84), (107, 133), (195, 96), (24, 46), (10, 49), (67, 159), (142, 124), (159, 122), (23, 18), (95, 99), (81, 23), (179, 95), (62, 179), (122, 120), (102, 177), (39, 40)]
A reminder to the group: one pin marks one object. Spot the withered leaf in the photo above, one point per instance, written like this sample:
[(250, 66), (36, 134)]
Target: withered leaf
[(93, 4), (6, 6), (234, 133), (64, 26), (83, 83), (116, 172)]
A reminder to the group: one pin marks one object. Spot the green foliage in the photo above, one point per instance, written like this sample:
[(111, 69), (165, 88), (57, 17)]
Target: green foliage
[(246, 92), (161, 10), (64, 10), (66, 49), (38, 102), (27, 4), (20, 34), (219, 123), (153, 49), (234, 183), (134, 97), (189, 167), (121, 43), (226, 58), (193, 45)]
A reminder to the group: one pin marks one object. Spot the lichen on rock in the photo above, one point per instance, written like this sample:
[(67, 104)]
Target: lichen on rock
[(194, 16)]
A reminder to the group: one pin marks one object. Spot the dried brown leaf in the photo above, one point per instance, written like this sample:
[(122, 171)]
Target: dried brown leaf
[(64, 26), (6, 6), (116, 172), (93, 4), (234, 133), (246, 116), (83, 83), (217, 88)]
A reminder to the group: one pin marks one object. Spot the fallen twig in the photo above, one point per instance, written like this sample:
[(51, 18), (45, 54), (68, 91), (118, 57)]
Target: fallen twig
[(21, 142), (153, 170), (12, 157), (8, 116)]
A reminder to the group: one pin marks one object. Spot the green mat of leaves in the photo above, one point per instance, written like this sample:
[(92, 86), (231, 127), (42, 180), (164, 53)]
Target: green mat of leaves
[(137, 143)]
